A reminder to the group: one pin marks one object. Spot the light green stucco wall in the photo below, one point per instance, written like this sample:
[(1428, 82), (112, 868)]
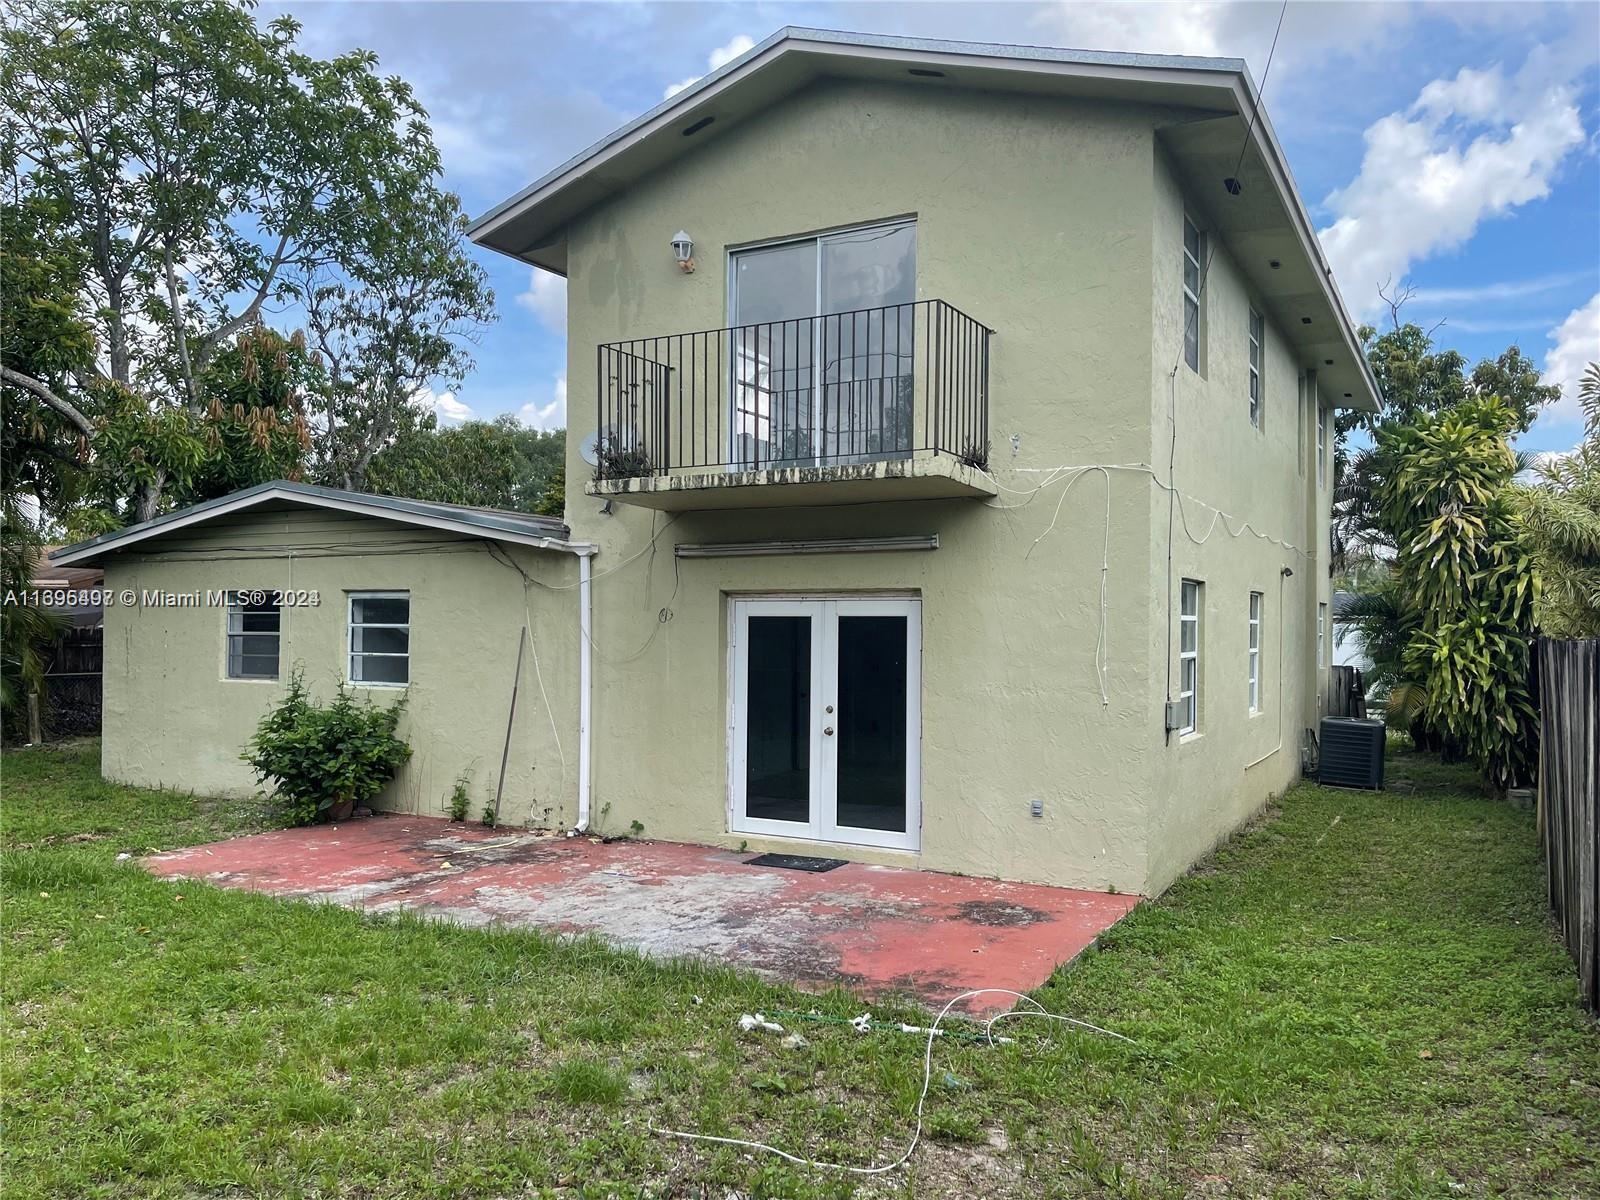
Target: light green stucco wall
[(172, 718), (1204, 786), (1034, 217), (1057, 223), (1054, 222)]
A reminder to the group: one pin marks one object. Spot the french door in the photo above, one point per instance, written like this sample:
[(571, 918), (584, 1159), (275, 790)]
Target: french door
[(826, 720), (823, 347)]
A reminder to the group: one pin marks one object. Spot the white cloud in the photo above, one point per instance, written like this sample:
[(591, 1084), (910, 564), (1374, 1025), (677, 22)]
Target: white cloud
[(546, 298), (467, 147), (720, 57), (1577, 344), (444, 405), (1511, 289), (1470, 148), (1312, 33), (550, 415), (1147, 28)]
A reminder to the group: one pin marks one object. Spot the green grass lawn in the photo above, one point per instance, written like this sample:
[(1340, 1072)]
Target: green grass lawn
[(1361, 996)]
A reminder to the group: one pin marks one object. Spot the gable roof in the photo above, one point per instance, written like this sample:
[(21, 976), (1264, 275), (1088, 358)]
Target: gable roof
[(522, 225), (523, 529), (1221, 132)]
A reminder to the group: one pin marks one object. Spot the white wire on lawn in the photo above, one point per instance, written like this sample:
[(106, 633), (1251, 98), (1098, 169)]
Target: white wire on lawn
[(1038, 1010)]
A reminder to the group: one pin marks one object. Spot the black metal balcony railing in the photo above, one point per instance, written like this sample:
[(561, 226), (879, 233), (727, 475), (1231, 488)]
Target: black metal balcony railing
[(852, 387)]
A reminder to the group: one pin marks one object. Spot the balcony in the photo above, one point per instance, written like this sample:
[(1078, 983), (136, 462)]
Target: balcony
[(886, 403)]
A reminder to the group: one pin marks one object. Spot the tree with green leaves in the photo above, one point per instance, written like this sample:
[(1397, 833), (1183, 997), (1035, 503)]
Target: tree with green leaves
[(1561, 520), (1466, 587), (204, 169), (494, 464), (1416, 380)]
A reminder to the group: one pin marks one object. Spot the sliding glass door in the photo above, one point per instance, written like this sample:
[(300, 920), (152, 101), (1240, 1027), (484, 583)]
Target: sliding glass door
[(823, 347)]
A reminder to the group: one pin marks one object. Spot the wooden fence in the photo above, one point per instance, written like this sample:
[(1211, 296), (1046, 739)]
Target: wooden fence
[(71, 706), (1347, 692), (1569, 799)]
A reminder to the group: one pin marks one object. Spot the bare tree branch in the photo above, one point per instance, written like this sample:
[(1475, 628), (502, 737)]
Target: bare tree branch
[(209, 344), (65, 407)]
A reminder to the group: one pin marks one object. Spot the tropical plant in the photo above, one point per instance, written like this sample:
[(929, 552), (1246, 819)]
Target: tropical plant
[(1561, 521), (1466, 583), (616, 459), (1415, 379), (319, 756), (1378, 617)]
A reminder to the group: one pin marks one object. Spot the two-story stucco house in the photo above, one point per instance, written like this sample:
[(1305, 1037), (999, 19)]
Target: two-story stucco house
[(948, 462)]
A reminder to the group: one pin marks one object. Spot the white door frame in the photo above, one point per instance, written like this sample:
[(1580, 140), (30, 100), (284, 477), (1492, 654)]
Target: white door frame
[(739, 693), (822, 824)]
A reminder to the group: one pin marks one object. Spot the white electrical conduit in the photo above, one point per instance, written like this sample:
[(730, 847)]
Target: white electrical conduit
[(585, 686), (1281, 623), (1038, 1011)]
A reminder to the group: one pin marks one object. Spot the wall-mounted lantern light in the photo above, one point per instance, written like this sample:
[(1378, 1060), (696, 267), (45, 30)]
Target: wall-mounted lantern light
[(683, 250)]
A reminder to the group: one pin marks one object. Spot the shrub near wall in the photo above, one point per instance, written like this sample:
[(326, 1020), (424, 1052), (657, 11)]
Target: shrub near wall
[(324, 761)]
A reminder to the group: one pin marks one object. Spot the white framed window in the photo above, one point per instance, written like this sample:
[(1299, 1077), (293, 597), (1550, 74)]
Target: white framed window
[(1322, 446), (1257, 337), (1322, 636), (380, 638), (1254, 652), (1189, 655), (254, 632), (1194, 248)]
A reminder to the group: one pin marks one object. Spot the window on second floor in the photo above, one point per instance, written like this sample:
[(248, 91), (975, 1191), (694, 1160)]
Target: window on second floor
[(1194, 249), (1257, 337), (1322, 446)]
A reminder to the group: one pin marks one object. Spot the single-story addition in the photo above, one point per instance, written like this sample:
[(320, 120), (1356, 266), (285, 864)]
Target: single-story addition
[(950, 428), (212, 608)]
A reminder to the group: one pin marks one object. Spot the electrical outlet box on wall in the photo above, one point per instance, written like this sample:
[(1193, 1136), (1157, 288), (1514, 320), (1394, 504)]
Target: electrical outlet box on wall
[(1177, 711)]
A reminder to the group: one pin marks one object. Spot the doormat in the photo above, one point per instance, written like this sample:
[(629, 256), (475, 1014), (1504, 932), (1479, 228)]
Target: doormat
[(795, 862)]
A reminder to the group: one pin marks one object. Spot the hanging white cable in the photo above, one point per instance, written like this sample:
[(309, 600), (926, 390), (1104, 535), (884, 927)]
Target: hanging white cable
[(1105, 570), (1038, 1011), (505, 559), (1054, 475), (533, 646)]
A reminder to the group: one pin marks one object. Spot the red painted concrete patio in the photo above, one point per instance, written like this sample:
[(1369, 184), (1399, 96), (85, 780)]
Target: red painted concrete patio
[(876, 930)]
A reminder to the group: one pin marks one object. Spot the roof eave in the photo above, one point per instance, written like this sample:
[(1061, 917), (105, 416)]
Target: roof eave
[(1283, 179), (791, 39), (94, 549)]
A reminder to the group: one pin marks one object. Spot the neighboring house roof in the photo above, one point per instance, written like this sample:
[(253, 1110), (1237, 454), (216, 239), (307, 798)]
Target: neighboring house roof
[(1222, 133), (523, 529), (82, 585), (71, 578)]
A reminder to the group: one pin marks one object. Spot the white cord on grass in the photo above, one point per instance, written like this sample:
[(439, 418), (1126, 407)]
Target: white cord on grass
[(1038, 1010)]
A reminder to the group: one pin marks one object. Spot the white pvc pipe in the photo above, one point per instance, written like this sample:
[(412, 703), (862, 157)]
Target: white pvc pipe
[(585, 590)]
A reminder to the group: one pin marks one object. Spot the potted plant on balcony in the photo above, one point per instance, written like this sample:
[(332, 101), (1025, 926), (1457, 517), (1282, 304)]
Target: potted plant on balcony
[(616, 459), (325, 761)]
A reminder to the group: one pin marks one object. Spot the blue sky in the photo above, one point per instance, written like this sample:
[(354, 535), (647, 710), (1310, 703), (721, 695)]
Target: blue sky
[(1455, 146)]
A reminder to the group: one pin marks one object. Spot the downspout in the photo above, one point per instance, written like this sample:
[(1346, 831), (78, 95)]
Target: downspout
[(585, 653)]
